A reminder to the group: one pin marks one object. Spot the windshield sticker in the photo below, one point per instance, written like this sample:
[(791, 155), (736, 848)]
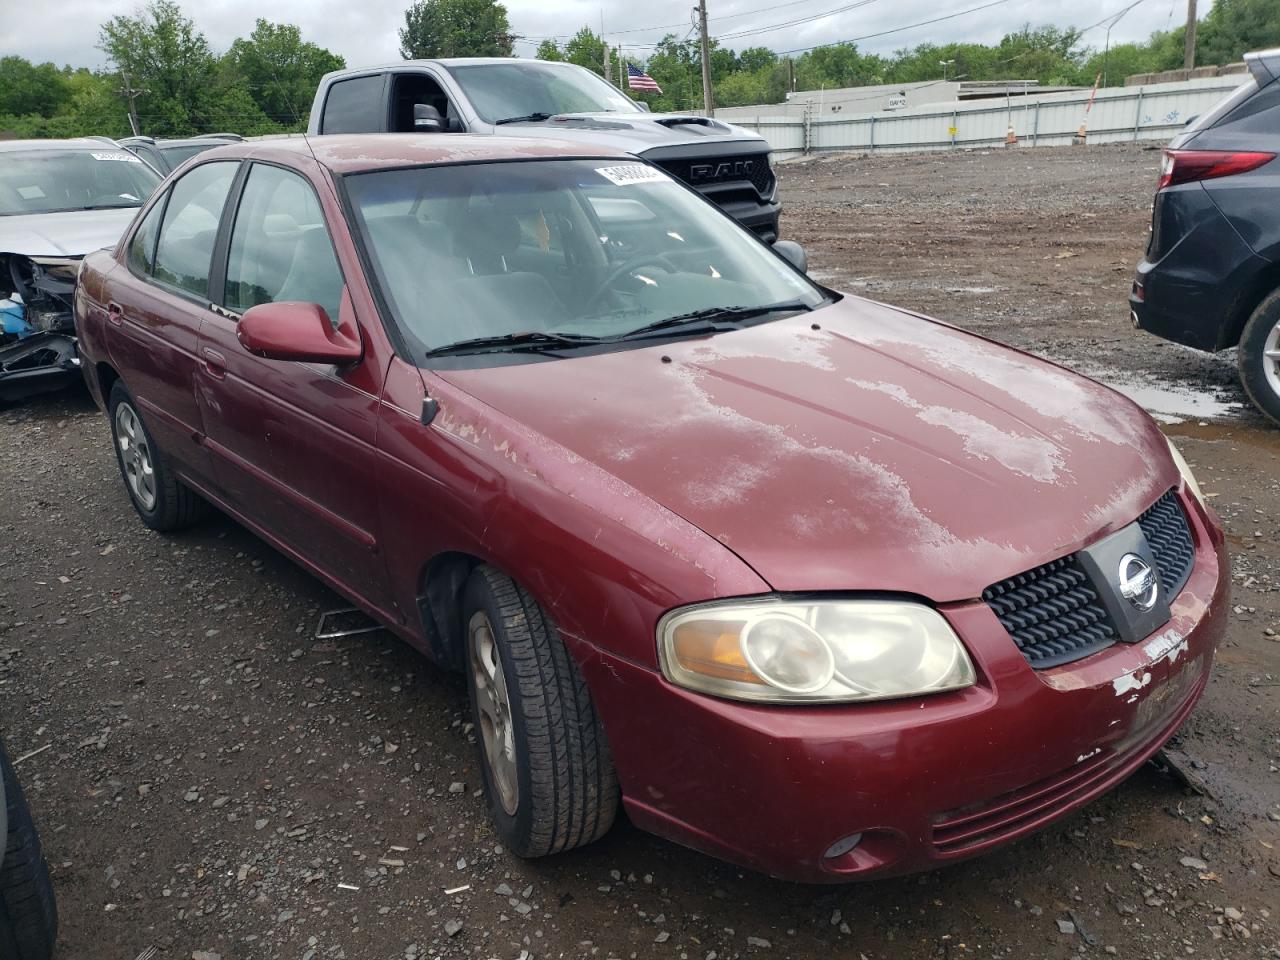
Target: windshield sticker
[(31, 193), (122, 155), (626, 174)]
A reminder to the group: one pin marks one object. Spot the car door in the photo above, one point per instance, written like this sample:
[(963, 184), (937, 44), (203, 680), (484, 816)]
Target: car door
[(292, 442), (155, 307)]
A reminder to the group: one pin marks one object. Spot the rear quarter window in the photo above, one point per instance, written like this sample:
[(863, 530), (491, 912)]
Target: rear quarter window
[(354, 106)]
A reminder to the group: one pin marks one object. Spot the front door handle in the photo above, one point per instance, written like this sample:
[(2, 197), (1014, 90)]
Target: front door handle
[(215, 364), (115, 314)]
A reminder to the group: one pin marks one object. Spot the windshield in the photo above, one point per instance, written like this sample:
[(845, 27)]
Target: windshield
[(49, 181), (585, 249), (499, 91)]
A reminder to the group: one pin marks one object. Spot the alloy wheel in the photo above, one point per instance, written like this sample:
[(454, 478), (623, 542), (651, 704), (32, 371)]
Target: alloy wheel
[(1271, 359), (135, 456), (496, 728)]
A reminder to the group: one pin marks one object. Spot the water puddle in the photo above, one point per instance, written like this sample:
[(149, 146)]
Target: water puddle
[(1174, 403)]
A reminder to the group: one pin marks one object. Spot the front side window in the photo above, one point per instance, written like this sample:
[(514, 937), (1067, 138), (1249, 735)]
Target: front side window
[(185, 248), (142, 248), (504, 91), (591, 251), (280, 246), (57, 180)]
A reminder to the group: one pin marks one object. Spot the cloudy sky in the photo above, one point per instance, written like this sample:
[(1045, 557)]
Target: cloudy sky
[(364, 31)]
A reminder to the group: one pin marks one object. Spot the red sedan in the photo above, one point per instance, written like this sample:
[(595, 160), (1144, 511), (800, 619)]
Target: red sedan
[(808, 582)]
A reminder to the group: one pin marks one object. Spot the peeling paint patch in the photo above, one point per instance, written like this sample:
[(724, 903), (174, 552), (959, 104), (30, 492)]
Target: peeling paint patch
[(1085, 756), (1130, 681), (1170, 644)]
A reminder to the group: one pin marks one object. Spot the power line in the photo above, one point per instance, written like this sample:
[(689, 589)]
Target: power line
[(885, 33), (791, 23)]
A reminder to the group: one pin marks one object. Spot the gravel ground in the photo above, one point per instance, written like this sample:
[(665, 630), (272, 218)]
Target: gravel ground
[(216, 783)]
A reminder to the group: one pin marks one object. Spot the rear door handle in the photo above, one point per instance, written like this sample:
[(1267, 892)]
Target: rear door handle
[(215, 364), (115, 314)]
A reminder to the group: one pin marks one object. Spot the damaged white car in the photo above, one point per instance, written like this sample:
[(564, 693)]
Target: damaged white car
[(59, 199)]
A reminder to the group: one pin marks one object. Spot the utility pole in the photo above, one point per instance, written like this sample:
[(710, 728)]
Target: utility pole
[(608, 64), (708, 103), (132, 93), (1189, 58)]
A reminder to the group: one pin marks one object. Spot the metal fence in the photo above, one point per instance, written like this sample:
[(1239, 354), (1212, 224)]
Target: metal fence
[(1153, 112)]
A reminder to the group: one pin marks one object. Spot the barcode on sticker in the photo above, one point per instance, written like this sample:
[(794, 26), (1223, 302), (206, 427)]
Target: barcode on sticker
[(625, 174), (122, 155)]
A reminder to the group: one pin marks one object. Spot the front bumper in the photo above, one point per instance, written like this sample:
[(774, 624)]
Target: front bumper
[(42, 363), (925, 781)]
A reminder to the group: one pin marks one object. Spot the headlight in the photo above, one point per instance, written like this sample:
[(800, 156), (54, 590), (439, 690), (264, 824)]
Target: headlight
[(805, 652), (1187, 476)]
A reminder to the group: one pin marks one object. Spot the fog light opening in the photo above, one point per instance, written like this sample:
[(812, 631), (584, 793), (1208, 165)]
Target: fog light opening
[(842, 847)]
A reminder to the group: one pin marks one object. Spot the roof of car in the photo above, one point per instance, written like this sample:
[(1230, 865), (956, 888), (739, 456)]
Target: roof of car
[(357, 152), (78, 143), (451, 62)]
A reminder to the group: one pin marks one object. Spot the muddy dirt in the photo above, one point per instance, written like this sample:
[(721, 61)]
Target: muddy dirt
[(217, 782)]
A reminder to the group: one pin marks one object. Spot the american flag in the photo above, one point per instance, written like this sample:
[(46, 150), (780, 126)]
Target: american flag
[(637, 79)]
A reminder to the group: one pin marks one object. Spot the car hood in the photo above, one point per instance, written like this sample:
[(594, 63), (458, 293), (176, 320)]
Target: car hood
[(637, 132), (72, 233), (881, 452)]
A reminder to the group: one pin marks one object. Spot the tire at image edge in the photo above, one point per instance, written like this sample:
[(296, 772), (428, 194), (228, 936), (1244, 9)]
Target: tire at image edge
[(1250, 357), (28, 911)]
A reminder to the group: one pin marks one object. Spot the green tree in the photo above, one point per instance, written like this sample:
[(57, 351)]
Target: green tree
[(1234, 27), (456, 28), (586, 50), (26, 87), (162, 53), (548, 50), (280, 70), (755, 59)]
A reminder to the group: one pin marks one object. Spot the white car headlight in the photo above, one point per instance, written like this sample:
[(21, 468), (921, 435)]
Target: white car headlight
[(831, 651), (1188, 477)]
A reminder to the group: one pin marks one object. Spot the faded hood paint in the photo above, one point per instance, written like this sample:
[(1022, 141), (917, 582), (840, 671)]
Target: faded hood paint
[(72, 233), (881, 452)]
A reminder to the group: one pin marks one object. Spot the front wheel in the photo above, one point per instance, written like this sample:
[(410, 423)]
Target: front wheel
[(1259, 357), (548, 775)]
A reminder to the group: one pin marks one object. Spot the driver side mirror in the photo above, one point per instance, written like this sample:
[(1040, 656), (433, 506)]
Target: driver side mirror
[(793, 253), (427, 119), (298, 331)]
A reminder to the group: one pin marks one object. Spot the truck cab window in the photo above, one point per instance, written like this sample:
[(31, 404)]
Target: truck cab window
[(411, 88), (352, 106)]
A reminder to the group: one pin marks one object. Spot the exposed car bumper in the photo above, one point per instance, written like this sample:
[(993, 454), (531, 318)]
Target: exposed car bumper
[(925, 781), (1188, 287), (41, 363)]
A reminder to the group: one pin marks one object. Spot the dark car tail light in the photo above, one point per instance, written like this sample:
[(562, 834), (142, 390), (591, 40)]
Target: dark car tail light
[(1187, 166)]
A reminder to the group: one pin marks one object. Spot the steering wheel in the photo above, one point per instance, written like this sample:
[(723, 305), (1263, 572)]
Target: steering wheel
[(632, 263)]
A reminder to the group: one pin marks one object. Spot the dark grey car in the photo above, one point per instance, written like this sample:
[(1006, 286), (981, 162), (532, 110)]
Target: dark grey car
[(1211, 275)]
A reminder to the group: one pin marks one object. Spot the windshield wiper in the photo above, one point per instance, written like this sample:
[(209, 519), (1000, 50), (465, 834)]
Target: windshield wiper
[(714, 319), (529, 117), (530, 340)]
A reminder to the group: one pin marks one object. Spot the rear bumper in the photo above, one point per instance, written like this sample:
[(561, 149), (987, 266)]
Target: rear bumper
[(1189, 290), (926, 781)]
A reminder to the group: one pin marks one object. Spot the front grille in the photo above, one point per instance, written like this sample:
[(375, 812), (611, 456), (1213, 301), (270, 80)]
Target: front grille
[(760, 175), (1169, 536), (1054, 613)]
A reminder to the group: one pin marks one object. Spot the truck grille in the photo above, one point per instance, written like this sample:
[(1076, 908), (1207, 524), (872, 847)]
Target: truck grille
[(1054, 614), (701, 172)]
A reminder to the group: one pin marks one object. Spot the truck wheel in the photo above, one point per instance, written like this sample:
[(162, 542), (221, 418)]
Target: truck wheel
[(1259, 357), (162, 500), (28, 914), (548, 775)]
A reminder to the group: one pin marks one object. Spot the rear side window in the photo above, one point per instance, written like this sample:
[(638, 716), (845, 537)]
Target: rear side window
[(185, 249), (280, 246), (142, 248), (354, 106)]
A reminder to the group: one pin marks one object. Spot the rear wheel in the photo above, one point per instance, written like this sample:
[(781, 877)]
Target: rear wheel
[(28, 914), (548, 775), (1259, 357), (162, 500)]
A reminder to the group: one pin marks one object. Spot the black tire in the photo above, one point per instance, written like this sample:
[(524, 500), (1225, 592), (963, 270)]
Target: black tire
[(176, 505), (567, 787), (28, 913), (1252, 362)]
